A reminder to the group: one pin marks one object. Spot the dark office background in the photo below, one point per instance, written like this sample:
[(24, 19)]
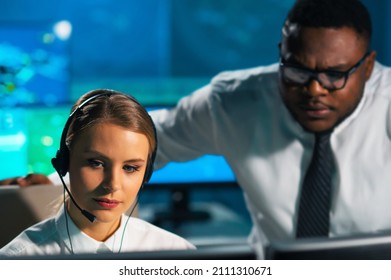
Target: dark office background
[(156, 50)]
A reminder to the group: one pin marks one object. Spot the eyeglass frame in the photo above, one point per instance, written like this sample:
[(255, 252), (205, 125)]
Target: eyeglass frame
[(314, 74)]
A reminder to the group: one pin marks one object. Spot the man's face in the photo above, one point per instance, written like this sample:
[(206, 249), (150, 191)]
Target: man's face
[(312, 104)]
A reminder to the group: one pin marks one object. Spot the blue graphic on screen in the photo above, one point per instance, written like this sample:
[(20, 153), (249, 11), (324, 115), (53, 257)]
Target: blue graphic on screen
[(206, 169), (13, 143), (34, 64)]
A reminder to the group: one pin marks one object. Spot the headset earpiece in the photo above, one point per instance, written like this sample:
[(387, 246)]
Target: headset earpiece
[(61, 161)]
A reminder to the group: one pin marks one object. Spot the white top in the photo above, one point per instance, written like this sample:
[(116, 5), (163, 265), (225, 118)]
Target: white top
[(50, 237), (241, 116)]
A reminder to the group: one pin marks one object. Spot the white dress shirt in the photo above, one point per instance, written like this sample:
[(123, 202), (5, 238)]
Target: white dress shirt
[(50, 237), (241, 116)]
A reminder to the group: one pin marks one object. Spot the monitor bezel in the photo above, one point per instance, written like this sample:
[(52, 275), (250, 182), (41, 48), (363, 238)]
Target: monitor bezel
[(358, 247)]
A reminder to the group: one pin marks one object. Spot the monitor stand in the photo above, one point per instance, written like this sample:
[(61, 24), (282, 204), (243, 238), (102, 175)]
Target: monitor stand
[(180, 210)]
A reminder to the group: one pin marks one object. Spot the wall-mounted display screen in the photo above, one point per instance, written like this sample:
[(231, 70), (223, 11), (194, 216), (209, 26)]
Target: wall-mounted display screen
[(34, 62)]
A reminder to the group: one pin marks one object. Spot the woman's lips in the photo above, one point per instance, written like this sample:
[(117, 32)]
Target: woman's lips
[(107, 203)]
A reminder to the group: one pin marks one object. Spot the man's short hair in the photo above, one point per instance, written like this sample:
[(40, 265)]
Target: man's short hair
[(331, 14)]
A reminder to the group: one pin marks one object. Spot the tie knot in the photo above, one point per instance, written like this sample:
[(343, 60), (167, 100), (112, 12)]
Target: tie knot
[(324, 135), (323, 138)]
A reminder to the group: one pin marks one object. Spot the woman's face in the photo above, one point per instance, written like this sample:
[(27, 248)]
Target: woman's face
[(107, 166)]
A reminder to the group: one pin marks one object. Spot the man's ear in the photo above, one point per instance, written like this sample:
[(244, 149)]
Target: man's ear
[(370, 64)]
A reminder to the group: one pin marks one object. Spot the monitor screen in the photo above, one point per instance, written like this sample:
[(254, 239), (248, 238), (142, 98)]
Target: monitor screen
[(206, 169), (34, 63), (362, 247)]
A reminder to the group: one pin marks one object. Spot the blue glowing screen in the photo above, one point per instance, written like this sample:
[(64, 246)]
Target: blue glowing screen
[(206, 169), (33, 65)]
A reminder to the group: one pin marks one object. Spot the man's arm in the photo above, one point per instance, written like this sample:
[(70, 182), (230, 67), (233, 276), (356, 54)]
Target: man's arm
[(186, 131), (28, 180)]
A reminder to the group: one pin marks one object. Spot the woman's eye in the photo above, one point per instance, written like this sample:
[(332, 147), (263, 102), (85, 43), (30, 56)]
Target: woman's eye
[(130, 168), (95, 163)]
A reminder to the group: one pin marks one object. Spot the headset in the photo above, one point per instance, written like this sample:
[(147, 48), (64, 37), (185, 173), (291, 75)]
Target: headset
[(61, 161)]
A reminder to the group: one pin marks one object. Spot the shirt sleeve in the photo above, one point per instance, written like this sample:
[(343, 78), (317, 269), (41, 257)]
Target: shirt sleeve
[(186, 131)]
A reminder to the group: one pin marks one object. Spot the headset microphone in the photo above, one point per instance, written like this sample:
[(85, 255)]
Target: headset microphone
[(85, 213)]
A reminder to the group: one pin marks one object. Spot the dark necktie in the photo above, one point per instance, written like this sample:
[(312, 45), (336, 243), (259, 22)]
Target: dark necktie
[(314, 208)]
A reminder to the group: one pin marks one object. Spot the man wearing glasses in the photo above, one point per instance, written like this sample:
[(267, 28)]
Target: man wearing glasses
[(327, 93)]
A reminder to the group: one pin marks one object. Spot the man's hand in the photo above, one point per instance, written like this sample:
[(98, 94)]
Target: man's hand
[(29, 180)]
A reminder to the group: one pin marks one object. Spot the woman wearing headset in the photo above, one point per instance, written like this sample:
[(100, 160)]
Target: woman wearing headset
[(108, 147)]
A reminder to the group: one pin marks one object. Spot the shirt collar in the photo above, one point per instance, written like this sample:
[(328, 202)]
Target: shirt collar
[(80, 243), (355, 113)]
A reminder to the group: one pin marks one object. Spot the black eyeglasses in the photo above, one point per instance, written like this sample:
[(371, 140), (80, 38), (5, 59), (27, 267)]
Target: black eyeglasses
[(328, 79)]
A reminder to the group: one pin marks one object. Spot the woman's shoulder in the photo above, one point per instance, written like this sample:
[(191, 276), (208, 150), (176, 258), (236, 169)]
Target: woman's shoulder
[(31, 240)]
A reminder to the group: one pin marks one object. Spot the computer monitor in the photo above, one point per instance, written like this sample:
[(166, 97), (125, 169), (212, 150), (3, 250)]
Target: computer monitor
[(361, 247)]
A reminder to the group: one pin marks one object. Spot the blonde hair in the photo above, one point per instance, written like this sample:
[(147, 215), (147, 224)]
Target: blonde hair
[(112, 107)]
